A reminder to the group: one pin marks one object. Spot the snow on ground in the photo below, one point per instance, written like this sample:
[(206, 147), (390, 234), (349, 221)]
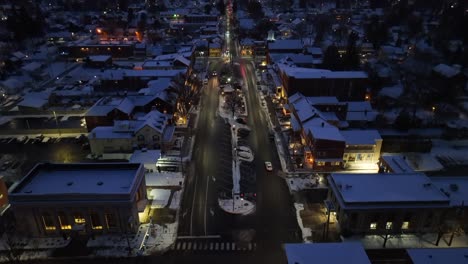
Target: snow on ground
[(160, 197), (150, 238), (240, 206), (164, 179), (297, 184), (409, 241), (306, 232), (454, 150), (176, 198)]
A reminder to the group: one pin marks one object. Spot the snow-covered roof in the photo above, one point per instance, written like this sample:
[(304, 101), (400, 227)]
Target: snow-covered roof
[(89, 178), (304, 110), (308, 73), (361, 137), (35, 99), (316, 100), (360, 111), (438, 255), (286, 44), (121, 73), (330, 253), (397, 163), (145, 156), (100, 58), (108, 132), (325, 132), (382, 190), (295, 97), (246, 23), (393, 92), (126, 106), (31, 67), (456, 187), (314, 50), (446, 70)]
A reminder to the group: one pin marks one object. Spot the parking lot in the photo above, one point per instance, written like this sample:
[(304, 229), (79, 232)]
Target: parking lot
[(19, 155)]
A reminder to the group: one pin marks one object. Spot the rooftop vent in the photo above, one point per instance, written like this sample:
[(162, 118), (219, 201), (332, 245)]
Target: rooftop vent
[(100, 183)]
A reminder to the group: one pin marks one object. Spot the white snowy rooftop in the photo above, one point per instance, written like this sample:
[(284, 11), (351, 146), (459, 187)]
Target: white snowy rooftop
[(330, 253), (397, 163), (384, 189), (438, 255), (145, 156), (308, 73), (89, 178), (360, 137), (456, 187)]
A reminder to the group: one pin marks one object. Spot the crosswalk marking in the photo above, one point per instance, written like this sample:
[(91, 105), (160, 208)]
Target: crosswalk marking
[(190, 245)]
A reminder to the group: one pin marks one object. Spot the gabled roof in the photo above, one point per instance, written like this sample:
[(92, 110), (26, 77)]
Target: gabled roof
[(324, 131), (360, 137)]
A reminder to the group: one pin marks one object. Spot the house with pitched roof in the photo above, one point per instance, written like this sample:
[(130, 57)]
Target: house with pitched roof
[(152, 131)]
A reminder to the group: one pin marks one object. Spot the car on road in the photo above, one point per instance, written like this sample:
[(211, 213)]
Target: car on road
[(268, 166)]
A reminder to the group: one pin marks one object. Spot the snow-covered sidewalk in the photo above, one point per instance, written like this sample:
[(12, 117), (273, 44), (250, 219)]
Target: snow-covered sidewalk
[(306, 232)]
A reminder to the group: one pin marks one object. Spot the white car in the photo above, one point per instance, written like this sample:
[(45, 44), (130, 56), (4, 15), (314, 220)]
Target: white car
[(268, 166)]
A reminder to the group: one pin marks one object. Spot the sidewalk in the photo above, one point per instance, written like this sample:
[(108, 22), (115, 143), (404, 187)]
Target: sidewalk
[(410, 241)]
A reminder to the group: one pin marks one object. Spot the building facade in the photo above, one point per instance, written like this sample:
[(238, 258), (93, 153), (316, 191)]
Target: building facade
[(84, 199), (386, 204)]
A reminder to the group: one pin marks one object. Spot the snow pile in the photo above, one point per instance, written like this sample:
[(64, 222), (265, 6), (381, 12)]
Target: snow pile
[(160, 198), (306, 232), (176, 198), (238, 206), (164, 179), (297, 184)]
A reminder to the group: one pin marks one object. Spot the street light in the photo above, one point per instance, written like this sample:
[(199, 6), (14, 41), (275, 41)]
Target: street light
[(57, 124)]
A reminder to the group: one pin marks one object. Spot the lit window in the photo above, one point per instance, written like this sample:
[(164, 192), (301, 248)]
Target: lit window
[(373, 225), (95, 221), (79, 219), (405, 225), (63, 221), (389, 225), (48, 222)]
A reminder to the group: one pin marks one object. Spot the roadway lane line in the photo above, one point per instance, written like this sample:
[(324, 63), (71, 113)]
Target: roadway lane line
[(193, 203), (206, 199)]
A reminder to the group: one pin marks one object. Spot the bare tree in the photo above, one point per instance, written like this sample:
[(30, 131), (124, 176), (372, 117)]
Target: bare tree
[(232, 102), (10, 238), (186, 92)]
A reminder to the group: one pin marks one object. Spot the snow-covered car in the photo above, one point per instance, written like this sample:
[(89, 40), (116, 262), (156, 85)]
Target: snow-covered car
[(268, 166)]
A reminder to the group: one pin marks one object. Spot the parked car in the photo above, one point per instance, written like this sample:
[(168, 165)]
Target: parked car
[(268, 166)]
